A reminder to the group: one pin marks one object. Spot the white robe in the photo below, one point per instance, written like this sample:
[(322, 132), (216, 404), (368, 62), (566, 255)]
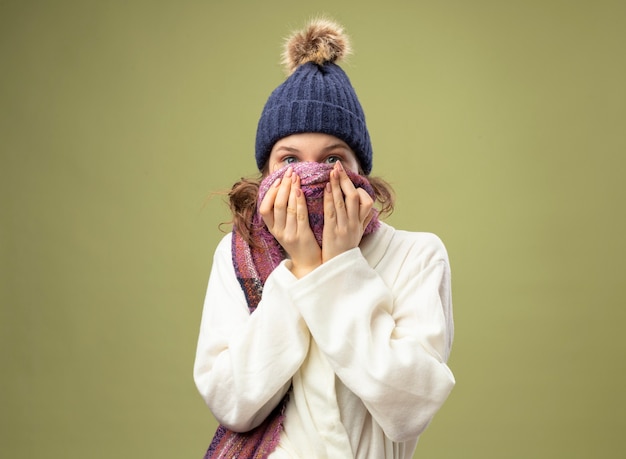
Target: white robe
[(362, 340)]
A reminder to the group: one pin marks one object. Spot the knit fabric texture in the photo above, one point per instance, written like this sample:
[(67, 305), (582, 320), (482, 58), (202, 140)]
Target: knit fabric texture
[(253, 264), (313, 180), (315, 98), (258, 443)]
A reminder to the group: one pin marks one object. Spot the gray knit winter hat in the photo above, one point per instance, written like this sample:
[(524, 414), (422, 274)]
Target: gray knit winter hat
[(317, 96)]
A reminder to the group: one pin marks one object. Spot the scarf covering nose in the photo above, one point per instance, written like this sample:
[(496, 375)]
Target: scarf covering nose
[(253, 264), (313, 180)]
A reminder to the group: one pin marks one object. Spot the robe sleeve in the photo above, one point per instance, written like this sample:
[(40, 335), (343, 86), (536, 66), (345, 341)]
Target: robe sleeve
[(387, 331), (244, 362)]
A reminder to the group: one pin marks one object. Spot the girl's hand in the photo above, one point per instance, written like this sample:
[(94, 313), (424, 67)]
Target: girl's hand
[(285, 213), (347, 212)]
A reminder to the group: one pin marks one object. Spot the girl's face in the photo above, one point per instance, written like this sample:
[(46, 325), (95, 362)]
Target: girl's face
[(311, 147)]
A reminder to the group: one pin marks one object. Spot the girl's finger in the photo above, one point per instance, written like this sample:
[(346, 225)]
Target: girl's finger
[(302, 211), (291, 222), (365, 205), (351, 197), (368, 218), (339, 205), (330, 215), (282, 198), (266, 209)]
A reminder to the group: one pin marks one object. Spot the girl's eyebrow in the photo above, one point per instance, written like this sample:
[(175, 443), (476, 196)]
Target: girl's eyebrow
[(336, 145), (331, 147), (289, 149)]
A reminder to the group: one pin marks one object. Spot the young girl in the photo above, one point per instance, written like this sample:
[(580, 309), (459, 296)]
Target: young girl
[(325, 332)]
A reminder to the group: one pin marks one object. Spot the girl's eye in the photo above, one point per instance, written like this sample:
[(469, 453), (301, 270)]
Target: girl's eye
[(333, 159), (290, 160)]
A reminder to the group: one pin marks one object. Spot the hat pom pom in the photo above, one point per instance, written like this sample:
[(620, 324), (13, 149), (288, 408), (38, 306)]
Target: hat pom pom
[(322, 41)]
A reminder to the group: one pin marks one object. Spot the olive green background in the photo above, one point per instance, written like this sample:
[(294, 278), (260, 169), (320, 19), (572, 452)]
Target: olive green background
[(501, 125)]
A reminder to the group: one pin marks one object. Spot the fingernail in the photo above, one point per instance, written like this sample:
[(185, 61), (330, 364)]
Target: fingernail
[(289, 171), (276, 182), (340, 166), (328, 187)]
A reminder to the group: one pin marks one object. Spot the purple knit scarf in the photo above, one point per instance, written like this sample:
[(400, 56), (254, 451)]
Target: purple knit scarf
[(253, 264)]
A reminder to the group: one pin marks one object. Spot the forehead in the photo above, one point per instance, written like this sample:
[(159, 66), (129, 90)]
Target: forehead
[(306, 141)]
